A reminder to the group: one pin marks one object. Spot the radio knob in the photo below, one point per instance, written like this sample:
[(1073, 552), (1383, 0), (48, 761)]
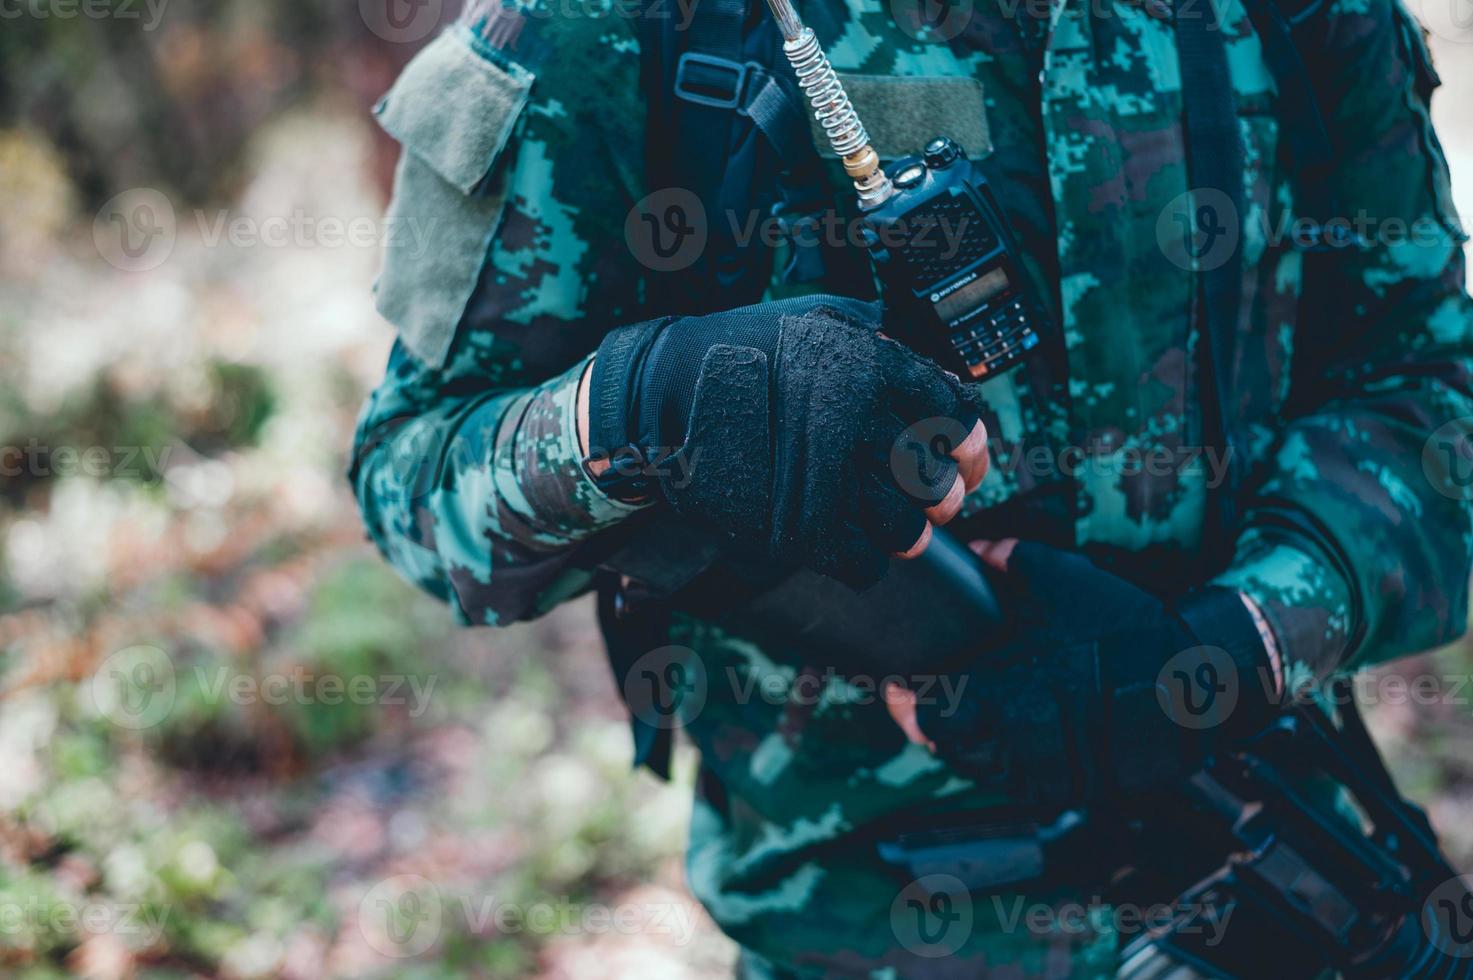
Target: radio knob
[(941, 152), (910, 176)]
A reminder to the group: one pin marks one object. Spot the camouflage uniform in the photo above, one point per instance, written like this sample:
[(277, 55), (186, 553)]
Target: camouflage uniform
[(1357, 536)]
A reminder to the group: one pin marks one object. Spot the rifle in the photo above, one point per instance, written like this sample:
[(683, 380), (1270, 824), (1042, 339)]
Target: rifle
[(1307, 888)]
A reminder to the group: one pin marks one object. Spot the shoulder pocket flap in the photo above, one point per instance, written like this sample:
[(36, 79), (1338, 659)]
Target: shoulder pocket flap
[(455, 109), (902, 113)]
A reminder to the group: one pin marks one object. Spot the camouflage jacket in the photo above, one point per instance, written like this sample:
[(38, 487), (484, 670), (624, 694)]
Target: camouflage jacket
[(523, 131)]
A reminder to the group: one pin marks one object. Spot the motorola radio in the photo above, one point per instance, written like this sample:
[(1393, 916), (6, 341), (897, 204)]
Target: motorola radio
[(942, 248)]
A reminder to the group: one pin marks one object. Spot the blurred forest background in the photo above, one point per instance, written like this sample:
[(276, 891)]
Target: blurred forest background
[(232, 742)]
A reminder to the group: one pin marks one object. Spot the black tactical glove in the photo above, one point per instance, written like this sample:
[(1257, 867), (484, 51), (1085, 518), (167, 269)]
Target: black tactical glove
[(774, 425), (1100, 689)]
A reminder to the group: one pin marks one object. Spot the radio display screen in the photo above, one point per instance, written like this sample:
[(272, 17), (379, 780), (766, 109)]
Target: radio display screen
[(972, 295)]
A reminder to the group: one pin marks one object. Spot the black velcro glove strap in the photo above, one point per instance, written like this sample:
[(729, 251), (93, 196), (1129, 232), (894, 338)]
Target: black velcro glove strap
[(621, 357), (1220, 616)]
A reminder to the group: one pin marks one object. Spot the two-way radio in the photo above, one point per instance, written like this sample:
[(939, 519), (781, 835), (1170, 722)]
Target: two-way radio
[(942, 248)]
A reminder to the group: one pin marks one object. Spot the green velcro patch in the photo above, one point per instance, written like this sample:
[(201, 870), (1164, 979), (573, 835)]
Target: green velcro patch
[(455, 109), (903, 112)]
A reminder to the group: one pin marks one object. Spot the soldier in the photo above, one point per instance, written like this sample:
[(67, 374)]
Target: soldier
[(1237, 448)]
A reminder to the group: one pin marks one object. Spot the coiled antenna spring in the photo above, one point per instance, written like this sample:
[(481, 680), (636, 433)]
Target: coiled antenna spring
[(832, 108)]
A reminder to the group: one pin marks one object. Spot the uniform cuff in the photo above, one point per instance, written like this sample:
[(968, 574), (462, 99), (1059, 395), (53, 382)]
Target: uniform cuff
[(537, 465), (1304, 598)]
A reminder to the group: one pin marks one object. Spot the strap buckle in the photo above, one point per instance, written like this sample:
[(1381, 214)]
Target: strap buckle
[(707, 80)]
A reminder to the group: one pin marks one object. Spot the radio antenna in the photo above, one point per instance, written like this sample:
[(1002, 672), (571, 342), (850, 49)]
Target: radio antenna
[(831, 106)]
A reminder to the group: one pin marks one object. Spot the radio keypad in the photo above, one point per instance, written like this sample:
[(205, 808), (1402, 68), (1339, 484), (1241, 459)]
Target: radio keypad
[(996, 340)]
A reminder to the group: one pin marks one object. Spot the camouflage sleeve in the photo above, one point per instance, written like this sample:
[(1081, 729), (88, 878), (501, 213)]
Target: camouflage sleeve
[(479, 500), (467, 465), (1360, 535)]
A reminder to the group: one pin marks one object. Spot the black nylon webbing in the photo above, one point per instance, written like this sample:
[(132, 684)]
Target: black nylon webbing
[(1214, 161), (1310, 153)]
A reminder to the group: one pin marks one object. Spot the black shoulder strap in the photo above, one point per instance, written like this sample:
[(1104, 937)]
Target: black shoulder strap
[(725, 117), (1214, 161), (1309, 151), (1292, 48)]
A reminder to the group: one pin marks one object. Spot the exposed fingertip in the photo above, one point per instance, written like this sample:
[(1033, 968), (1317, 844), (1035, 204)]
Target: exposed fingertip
[(950, 505), (921, 544)]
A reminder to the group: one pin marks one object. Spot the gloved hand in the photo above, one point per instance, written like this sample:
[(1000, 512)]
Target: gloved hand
[(776, 424), (1097, 688)]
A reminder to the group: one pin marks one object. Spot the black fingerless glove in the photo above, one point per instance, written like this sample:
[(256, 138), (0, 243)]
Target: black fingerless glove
[(774, 425)]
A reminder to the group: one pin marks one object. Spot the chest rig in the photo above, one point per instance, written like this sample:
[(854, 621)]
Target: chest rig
[(727, 122)]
